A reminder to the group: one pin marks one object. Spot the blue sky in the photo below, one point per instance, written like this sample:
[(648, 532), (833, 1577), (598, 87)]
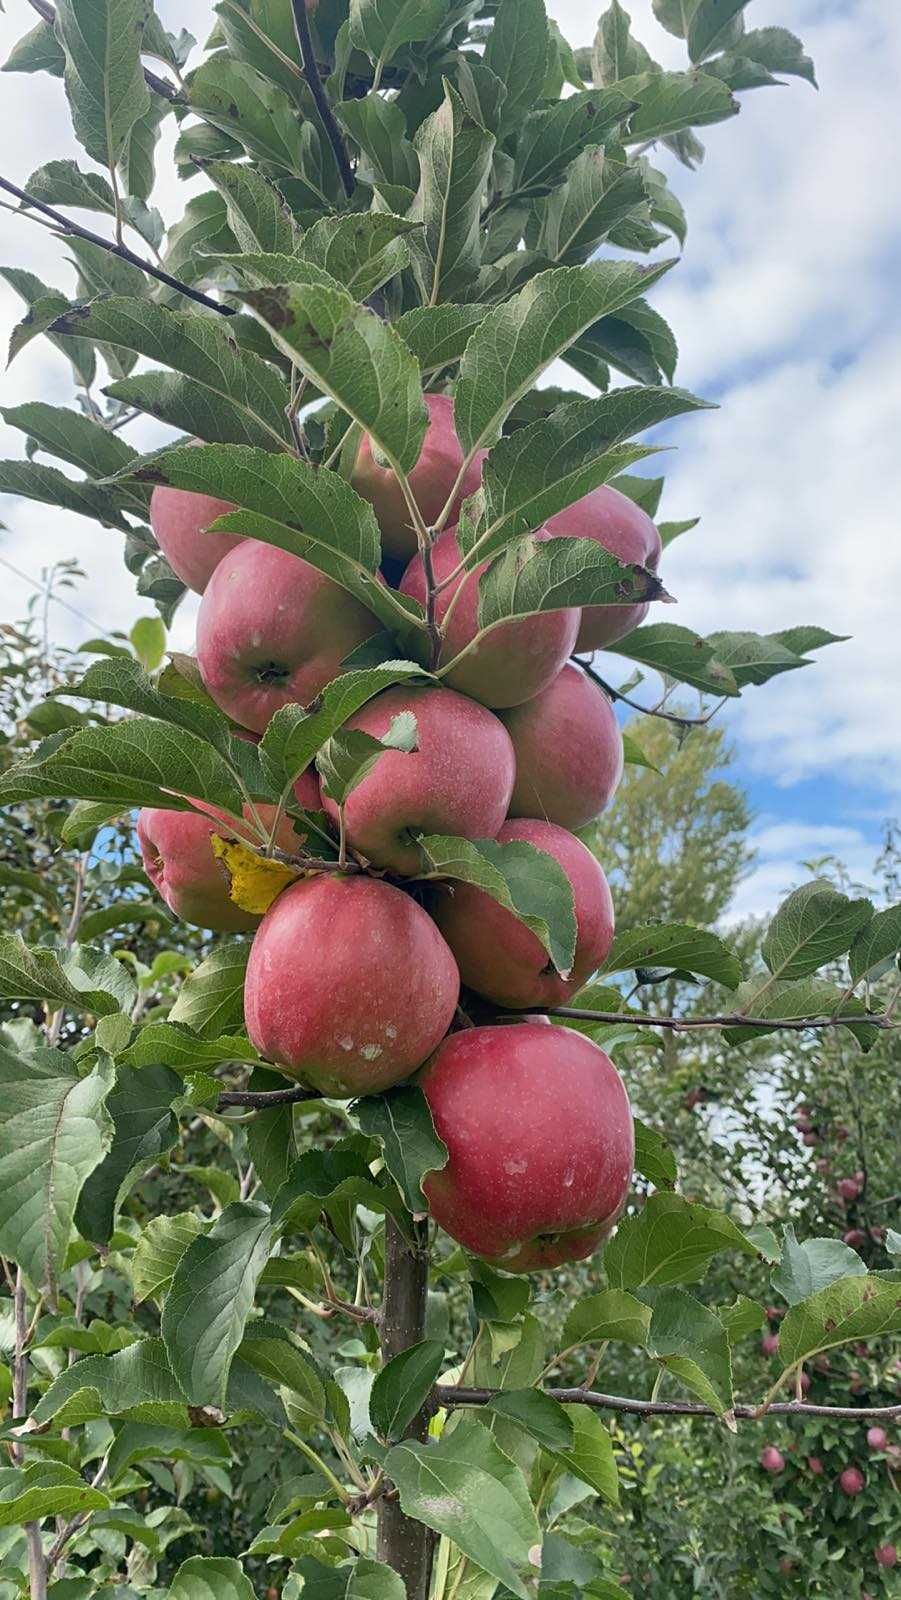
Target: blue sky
[(787, 314)]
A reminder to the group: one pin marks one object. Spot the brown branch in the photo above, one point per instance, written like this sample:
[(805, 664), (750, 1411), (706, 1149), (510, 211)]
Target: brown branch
[(736, 1020), (159, 86), (311, 73), (451, 1396), (66, 226), (646, 711), (264, 1101)]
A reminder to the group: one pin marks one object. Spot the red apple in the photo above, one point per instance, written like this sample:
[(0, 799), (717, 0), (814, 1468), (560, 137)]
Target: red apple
[(877, 1438), (569, 751), (772, 1460), (179, 861), (848, 1189), (540, 1144), (852, 1481), (810, 1138), (855, 1237), (886, 1555), (349, 985), (516, 659), (621, 526), (273, 631), (498, 955), (458, 781), (877, 1234), (178, 517), (815, 1465), (775, 1313), (769, 1344), (431, 480)]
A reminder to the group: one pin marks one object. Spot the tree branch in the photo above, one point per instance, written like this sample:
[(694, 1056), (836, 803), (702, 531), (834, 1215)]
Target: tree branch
[(451, 1396), (66, 226), (646, 711), (311, 73), (159, 86)]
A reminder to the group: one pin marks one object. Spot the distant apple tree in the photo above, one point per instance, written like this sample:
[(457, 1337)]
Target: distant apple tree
[(395, 1059)]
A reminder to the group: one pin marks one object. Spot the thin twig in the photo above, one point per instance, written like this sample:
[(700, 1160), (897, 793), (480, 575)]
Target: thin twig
[(311, 73), (66, 226), (648, 711), (450, 1396), (37, 1566), (159, 85)]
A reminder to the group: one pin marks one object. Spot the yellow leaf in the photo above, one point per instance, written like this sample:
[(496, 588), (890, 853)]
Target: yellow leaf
[(253, 881)]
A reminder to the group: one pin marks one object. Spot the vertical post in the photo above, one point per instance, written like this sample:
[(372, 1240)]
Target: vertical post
[(403, 1543)]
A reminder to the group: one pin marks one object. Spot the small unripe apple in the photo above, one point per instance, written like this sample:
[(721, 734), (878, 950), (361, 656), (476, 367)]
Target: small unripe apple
[(877, 1438), (457, 781), (769, 1344), (511, 663), (848, 1189), (772, 1460), (540, 1144), (886, 1555), (569, 751), (178, 859), (349, 985), (498, 955), (852, 1481), (815, 1465), (621, 526), (431, 480), (178, 518), (272, 631), (855, 1237)]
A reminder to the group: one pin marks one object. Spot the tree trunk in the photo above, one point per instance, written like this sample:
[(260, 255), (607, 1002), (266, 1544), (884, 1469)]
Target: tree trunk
[(404, 1544)]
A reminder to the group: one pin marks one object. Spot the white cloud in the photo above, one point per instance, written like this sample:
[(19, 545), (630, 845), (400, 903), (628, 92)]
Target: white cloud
[(782, 848)]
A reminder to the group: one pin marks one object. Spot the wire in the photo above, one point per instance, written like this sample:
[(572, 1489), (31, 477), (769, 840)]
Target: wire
[(40, 588)]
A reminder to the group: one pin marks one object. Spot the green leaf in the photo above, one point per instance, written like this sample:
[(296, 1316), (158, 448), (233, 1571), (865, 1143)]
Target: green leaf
[(715, 25), (257, 212), (861, 1307), (679, 654), (612, 1314), (223, 1186), (551, 139), (516, 341), (212, 997), (148, 637), (878, 940), (44, 306), (741, 1319), (84, 978), (135, 762), (753, 657), (139, 1442), (182, 1050), (463, 1486), (676, 945), (780, 51), (33, 481), (54, 1132), (137, 161), (403, 1385), (517, 53), (210, 1298), (598, 195), (670, 1241), (590, 1457), (379, 127), (362, 1579), (689, 1340), (62, 183), (144, 1127), (272, 1351), (229, 382), (637, 341), (616, 54), (402, 1122), (295, 735), (353, 356), (794, 1001), (671, 101), (158, 1251), (524, 880), (438, 335), (270, 1136), (38, 50), (814, 925), (75, 438), (329, 1179), (350, 755), (654, 1157), (810, 1266), (455, 155), (310, 512), (381, 27), (210, 1578), (634, 756), (548, 465), (260, 115), (540, 574), (361, 252), (101, 41), (539, 1415), (45, 1490)]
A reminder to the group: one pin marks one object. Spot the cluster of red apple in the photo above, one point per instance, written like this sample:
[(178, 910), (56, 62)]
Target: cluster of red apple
[(849, 1189), (353, 980), (851, 1480)]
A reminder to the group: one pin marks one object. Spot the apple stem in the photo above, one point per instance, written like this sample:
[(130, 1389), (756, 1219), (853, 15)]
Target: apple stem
[(404, 1544)]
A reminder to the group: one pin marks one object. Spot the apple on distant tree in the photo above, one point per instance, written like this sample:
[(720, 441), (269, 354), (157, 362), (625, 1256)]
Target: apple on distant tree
[(852, 1481), (540, 1144), (772, 1460), (349, 985)]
